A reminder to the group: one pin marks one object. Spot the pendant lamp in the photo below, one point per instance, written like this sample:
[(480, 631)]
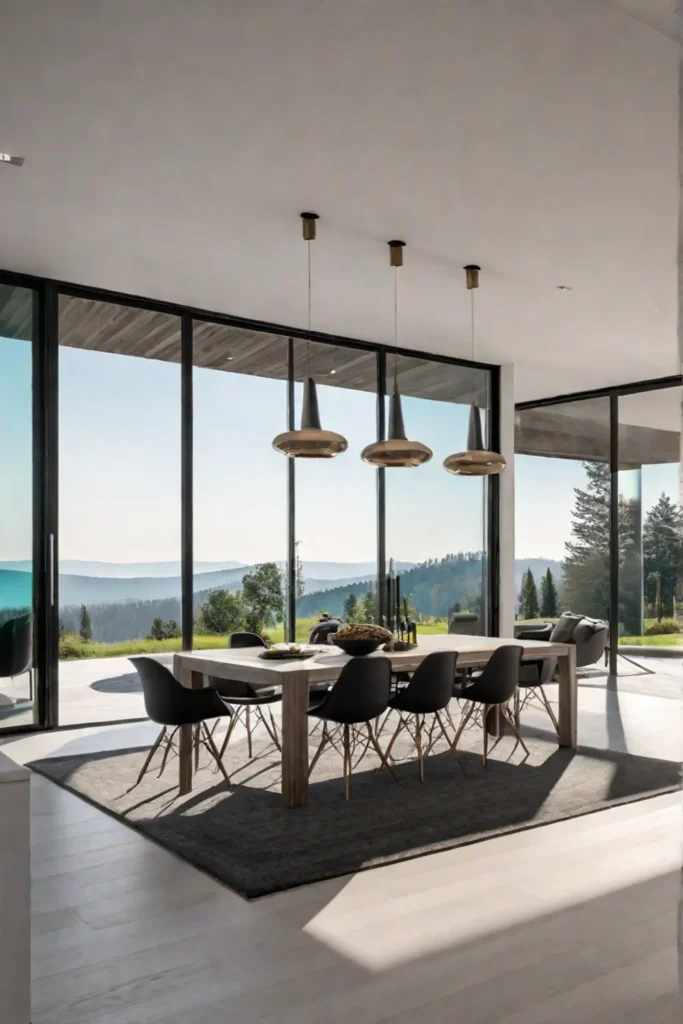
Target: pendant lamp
[(310, 441), (477, 460), (397, 450)]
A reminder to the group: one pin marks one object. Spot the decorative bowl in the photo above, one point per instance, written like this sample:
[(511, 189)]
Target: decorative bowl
[(356, 648)]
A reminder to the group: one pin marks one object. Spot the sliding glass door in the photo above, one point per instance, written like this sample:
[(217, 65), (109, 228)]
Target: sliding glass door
[(119, 551), (18, 550)]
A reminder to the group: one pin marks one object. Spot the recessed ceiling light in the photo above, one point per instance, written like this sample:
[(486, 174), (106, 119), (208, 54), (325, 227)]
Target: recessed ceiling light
[(7, 158), (229, 358), (655, 311), (563, 287), (332, 372)]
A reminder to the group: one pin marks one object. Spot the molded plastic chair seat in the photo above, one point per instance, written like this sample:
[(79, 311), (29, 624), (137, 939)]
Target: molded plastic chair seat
[(172, 705)]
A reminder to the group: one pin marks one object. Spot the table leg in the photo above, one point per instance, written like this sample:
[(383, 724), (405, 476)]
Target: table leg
[(568, 697), (185, 744), (295, 741)]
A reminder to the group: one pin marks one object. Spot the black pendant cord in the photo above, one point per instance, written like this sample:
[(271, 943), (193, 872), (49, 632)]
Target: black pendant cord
[(395, 328), (308, 346), (474, 372)]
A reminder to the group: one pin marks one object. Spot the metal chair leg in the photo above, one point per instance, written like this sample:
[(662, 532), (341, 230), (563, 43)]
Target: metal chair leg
[(149, 757)]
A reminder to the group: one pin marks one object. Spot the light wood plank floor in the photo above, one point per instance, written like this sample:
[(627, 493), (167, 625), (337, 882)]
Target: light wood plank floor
[(573, 922)]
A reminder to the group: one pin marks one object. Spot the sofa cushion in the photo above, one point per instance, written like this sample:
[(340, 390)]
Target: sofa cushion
[(585, 630), (563, 630)]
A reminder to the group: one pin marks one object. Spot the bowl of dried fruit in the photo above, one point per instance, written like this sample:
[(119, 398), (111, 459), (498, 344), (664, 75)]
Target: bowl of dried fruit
[(361, 638)]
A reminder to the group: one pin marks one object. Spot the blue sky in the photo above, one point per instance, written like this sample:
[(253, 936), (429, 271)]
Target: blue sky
[(119, 428)]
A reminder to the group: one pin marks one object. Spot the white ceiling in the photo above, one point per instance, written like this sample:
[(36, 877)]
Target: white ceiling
[(171, 145)]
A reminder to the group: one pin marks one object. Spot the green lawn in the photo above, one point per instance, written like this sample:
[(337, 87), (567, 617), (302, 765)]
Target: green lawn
[(663, 640), (201, 642)]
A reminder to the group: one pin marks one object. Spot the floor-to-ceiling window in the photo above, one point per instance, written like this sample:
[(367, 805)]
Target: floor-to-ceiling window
[(562, 510), (436, 522), (336, 499), (650, 519), (240, 483), (119, 502), (598, 509), (16, 507)]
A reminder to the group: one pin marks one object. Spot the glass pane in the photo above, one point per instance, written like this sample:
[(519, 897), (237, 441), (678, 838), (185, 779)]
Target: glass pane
[(240, 483), (119, 503), (650, 519), (336, 499), (16, 507), (562, 510), (436, 535)]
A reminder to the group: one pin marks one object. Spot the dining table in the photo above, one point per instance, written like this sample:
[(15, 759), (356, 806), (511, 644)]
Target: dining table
[(295, 676)]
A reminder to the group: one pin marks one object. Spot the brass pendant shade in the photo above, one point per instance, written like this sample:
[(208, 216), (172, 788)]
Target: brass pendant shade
[(477, 460), (396, 451), (310, 441)]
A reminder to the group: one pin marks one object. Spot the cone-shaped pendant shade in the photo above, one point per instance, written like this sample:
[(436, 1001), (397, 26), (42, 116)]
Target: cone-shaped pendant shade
[(397, 450), (476, 461), (311, 441)]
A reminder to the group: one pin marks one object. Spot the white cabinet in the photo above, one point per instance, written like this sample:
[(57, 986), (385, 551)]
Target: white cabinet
[(15, 893)]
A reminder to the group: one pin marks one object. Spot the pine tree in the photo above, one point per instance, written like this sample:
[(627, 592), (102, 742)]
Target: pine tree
[(352, 609), (86, 626), (549, 598), (586, 567), (663, 553), (368, 610), (528, 597)]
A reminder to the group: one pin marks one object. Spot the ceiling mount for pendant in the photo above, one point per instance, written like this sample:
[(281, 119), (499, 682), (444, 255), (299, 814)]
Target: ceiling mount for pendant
[(310, 441), (396, 451), (477, 460)]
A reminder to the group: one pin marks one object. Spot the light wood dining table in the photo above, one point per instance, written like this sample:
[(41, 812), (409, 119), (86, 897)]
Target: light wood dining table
[(192, 668)]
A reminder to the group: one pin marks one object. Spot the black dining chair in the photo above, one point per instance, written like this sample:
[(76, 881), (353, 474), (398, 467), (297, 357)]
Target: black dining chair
[(429, 692), (495, 687), (533, 678), (171, 705), (359, 696), (242, 697), (16, 648)]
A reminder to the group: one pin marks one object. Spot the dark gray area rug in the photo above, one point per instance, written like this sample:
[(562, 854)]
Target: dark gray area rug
[(244, 837)]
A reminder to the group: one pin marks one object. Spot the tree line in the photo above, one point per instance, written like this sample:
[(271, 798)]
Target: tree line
[(529, 605)]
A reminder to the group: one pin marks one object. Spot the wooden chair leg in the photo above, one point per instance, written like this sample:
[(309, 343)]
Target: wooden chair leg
[(149, 757), (549, 709), (233, 722), (418, 746), (250, 746), (321, 747), (347, 763), (214, 750), (463, 722), (385, 763), (485, 710), (167, 751), (510, 719)]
